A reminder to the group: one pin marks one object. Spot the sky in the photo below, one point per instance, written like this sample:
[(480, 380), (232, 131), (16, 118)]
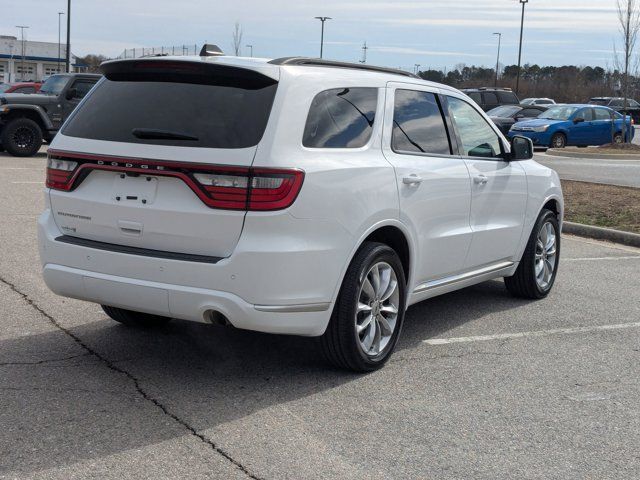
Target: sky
[(433, 33)]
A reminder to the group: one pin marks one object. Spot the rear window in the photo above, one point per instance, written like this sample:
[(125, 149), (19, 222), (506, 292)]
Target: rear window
[(185, 105), (341, 118), (507, 97)]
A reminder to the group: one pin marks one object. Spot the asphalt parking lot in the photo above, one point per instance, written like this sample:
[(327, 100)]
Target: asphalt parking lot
[(482, 385)]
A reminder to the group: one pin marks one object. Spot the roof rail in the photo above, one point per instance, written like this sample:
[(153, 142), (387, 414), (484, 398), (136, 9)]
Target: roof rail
[(319, 62)]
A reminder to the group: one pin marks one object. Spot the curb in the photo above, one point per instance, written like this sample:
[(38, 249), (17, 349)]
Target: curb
[(602, 156), (599, 233)]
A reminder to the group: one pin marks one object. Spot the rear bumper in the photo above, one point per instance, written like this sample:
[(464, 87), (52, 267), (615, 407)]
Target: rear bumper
[(187, 303), (271, 283)]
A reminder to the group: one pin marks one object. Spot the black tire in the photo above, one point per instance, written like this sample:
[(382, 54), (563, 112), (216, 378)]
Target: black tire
[(617, 138), (523, 283), (22, 137), (135, 319), (559, 140), (340, 343)]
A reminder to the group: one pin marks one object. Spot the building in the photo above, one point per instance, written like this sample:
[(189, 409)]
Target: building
[(32, 61)]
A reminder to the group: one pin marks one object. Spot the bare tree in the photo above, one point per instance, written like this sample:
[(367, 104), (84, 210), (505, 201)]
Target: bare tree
[(629, 19), (237, 39)]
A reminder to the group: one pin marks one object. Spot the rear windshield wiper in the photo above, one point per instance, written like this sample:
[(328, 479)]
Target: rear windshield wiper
[(153, 134)]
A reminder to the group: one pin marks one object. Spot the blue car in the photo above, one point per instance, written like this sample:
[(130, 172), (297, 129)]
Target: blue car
[(578, 125)]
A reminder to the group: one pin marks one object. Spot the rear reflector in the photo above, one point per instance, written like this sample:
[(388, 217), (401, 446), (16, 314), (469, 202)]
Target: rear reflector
[(223, 187)]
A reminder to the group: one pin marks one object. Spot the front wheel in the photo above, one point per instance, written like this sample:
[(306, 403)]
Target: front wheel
[(22, 137), (134, 319), (617, 139), (538, 267), (558, 140), (368, 315)]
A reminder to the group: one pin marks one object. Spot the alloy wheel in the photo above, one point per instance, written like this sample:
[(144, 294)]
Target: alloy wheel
[(23, 137), (377, 311), (545, 256)]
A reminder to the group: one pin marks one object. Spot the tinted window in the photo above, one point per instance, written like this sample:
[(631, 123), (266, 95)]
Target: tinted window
[(478, 138), (530, 112), (507, 97), (219, 108), (475, 96), (602, 114), (544, 101), (82, 87), (616, 103), (341, 118), (490, 98), (418, 125)]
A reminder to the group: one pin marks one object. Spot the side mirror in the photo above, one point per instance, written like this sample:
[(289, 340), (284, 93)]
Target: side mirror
[(521, 148), (578, 120), (71, 94)]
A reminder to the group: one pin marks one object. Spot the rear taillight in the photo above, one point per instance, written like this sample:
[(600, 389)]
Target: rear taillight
[(60, 172), (251, 189), (230, 188)]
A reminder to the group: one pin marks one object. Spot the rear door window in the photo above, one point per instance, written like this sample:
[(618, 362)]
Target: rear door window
[(507, 97), (602, 114), (187, 105), (341, 118), (418, 124), (490, 98), (82, 87)]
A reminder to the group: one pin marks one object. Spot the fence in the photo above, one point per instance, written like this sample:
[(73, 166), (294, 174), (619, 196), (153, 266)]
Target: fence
[(173, 50)]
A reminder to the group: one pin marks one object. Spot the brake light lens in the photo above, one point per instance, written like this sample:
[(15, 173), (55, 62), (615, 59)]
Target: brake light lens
[(230, 188), (59, 172)]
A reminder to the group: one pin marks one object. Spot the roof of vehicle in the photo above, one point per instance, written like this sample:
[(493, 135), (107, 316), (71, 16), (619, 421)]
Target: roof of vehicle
[(24, 84), (487, 89), (270, 67)]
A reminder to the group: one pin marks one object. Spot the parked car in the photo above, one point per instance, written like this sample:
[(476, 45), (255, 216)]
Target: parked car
[(293, 196), (538, 101), (20, 87), (617, 104), (507, 115), (490, 98), (577, 125), (27, 120)]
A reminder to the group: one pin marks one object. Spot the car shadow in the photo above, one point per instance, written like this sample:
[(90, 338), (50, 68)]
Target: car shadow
[(62, 412)]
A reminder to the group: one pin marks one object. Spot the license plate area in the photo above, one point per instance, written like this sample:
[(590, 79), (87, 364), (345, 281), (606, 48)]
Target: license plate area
[(138, 190)]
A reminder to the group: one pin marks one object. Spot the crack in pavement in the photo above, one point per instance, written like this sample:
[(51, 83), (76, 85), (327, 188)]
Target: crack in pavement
[(147, 396)]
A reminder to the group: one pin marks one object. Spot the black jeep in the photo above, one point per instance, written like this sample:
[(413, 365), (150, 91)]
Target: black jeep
[(27, 120)]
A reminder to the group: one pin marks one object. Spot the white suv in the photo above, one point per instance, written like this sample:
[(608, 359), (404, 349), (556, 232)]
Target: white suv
[(293, 196)]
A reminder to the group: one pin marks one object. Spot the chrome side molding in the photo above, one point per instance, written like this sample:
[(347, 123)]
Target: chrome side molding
[(441, 282)]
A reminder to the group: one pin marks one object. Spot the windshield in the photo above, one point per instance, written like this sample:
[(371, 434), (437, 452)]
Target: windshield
[(4, 87), (54, 85), (504, 111), (559, 113)]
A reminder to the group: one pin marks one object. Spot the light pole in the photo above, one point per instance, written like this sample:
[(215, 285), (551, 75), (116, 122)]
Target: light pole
[(523, 2), (68, 53), (498, 60), (22, 27), (417, 67), (59, 30), (322, 19), (250, 47)]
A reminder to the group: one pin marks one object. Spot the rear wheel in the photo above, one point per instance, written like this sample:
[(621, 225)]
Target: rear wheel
[(22, 137), (538, 267), (368, 315), (559, 140), (135, 319)]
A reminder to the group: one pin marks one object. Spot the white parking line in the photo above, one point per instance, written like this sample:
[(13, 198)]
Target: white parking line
[(594, 259), (538, 333)]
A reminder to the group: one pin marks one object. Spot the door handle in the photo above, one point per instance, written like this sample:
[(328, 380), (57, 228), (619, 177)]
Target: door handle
[(412, 179), (480, 179)]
